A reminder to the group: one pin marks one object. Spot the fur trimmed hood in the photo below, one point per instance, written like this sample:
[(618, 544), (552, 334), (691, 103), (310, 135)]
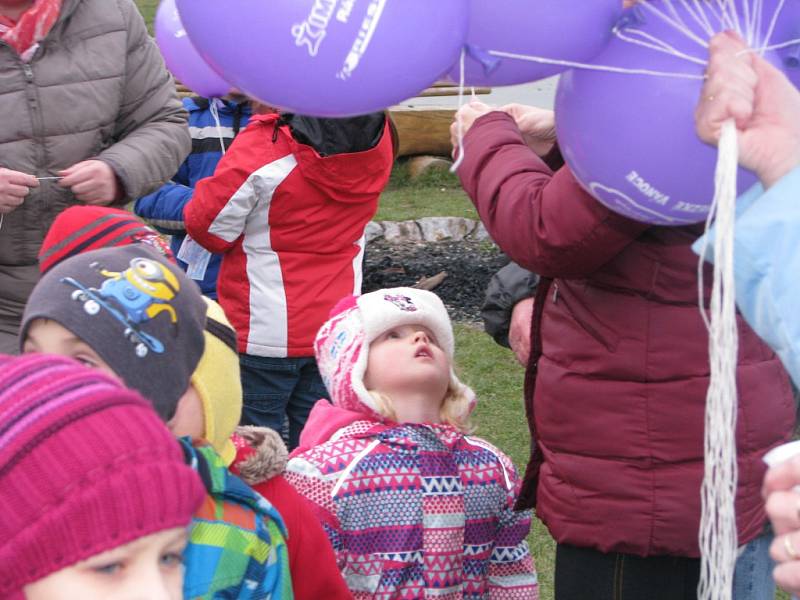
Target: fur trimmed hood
[(260, 454)]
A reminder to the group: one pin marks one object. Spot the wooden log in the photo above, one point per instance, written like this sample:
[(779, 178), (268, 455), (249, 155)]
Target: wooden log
[(450, 90), (420, 165), (423, 130)]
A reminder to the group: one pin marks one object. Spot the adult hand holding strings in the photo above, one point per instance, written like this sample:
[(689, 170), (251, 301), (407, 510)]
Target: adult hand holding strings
[(14, 186), (537, 125), (92, 182), (743, 86), (465, 117)]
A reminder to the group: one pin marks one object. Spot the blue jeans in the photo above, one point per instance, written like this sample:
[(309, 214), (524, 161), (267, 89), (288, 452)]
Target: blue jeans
[(753, 577), (277, 389)]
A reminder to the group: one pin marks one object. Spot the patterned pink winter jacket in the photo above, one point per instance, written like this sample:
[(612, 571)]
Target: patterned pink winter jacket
[(414, 511)]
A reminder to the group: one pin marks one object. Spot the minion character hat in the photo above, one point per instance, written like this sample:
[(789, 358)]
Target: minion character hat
[(142, 315)]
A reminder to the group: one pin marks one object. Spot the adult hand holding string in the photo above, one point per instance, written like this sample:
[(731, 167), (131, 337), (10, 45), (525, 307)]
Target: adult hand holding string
[(92, 182), (743, 86), (465, 117), (14, 186), (537, 125)]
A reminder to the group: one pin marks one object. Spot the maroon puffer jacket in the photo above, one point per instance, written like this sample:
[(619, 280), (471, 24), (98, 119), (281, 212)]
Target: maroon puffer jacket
[(618, 408)]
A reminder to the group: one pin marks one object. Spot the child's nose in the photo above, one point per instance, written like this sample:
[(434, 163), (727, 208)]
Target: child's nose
[(420, 336)]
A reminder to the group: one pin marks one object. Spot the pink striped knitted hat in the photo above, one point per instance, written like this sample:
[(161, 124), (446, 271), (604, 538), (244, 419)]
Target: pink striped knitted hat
[(86, 466)]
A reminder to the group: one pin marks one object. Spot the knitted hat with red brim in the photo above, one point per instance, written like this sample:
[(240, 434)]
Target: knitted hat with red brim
[(83, 228)]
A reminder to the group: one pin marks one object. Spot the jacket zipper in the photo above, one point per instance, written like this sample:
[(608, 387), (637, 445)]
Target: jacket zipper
[(35, 110)]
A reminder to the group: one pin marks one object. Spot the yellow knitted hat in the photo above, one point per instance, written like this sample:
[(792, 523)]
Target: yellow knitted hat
[(217, 382)]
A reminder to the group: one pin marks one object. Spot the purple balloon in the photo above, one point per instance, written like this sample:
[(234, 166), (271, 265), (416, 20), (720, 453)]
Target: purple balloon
[(182, 58), (629, 139), (787, 29), (328, 58), (571, 30)]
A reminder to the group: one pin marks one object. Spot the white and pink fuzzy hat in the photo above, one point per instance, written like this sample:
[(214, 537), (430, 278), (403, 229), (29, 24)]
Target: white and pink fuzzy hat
[(342, 343)]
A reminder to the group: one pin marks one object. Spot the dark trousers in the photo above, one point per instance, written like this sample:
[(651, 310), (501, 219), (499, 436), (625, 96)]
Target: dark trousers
[(586, 574), (280, 389)]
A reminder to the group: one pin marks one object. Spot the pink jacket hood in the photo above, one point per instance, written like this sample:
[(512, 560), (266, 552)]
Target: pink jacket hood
[(325, 420)]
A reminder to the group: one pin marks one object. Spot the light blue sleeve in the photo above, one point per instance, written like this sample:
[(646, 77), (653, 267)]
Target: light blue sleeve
[(767, 266)]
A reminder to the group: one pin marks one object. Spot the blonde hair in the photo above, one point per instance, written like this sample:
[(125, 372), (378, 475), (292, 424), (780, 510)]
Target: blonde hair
[(454, 410)]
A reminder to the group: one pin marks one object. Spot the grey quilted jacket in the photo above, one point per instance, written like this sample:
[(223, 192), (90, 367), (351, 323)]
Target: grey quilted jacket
[(95, 88)]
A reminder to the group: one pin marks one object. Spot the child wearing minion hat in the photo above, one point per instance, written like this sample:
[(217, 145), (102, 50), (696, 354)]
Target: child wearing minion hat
[(128, 312), (215, 379)]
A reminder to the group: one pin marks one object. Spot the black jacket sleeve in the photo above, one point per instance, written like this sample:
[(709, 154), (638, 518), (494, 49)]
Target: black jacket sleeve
[(509, 285)]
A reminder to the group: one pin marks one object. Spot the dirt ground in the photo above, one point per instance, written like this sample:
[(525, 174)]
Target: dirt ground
[(469, 266)]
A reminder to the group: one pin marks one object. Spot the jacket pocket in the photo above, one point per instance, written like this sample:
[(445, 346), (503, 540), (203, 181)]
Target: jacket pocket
[(374, 573), (583, 316)]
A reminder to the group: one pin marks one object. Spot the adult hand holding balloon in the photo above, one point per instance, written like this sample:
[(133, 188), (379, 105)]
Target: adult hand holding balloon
[(561, 30), (744, 87), (633, 145), (181, 57), (327, 57)]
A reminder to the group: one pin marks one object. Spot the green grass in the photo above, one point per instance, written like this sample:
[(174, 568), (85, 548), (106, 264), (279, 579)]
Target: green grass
[(496, 377), (435, 194), (148, 10), (415, 203)]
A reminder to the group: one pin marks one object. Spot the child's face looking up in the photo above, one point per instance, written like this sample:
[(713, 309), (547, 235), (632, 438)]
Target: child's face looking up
[(150, 567), (407, 360)]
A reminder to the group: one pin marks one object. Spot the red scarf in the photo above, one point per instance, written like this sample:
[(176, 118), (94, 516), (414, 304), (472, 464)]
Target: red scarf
[(31, 28)]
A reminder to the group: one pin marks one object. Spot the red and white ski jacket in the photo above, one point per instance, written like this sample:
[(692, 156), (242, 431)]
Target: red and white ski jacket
[(291, 226)]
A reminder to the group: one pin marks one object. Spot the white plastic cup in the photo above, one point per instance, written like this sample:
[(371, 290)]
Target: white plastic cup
[(782, 453)]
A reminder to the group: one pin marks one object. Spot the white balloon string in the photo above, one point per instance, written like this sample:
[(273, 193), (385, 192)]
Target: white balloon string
[(461, 78), (676, 16), (773, 22), (725, 18), (658, 46), (701, 10), (734, 12), (722, 18), (215, 116), (699, 17), (748, 25), (682, 28), (762, 49), (577, 65), (645, 35), (718, 538), (759, 22)]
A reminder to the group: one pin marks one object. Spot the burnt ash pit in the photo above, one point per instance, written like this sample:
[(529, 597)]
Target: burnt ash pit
[(469, 265)]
